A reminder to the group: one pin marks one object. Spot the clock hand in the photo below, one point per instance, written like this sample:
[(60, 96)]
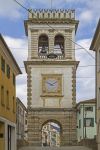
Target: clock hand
[(54, 82), (50, 83)]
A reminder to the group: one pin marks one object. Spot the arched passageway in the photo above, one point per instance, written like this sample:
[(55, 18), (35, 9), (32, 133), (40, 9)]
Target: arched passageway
[(51, 134)]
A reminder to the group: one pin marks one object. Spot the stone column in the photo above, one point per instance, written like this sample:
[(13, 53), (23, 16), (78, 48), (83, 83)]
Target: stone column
[(51, 41)]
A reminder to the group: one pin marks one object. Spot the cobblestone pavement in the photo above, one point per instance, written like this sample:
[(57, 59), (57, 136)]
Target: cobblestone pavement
[(56, 148)]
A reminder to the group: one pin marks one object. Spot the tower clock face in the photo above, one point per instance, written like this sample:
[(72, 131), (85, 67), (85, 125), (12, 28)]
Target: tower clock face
[(52, 84)]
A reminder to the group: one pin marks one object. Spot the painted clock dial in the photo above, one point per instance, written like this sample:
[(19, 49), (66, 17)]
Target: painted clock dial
[(51, 85)]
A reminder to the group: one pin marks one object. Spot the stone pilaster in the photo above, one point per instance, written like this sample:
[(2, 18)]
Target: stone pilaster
[(74, 86), (68, 44), (29, 87), (34, 44)]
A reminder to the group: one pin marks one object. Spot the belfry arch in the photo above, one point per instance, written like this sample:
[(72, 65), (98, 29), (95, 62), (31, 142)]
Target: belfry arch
[(43, 44), (59, 44)]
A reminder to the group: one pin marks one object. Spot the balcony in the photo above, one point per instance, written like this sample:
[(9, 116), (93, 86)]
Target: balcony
[(45, 56)]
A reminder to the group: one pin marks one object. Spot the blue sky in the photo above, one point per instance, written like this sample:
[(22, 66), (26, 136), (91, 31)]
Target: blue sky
[(12, 18)]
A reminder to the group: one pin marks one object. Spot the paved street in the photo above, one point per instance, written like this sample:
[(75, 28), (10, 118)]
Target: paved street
[(55, 148)]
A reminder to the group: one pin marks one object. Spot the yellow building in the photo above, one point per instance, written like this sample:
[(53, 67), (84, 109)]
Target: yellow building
[(8, 71)]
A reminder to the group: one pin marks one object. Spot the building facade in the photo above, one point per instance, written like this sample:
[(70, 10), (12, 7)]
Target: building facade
[(51, 73), (95, 46), (86, 119), (8, 71), (21, 113)]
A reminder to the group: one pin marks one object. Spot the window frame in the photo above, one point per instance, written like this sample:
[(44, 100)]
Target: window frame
[(2, 96), (91, 123), (7, 99), (87, 108), (8, 71), (79, 123), (14, 79), (3, 64)]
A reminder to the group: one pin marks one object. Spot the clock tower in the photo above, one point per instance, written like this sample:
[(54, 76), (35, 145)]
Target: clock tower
[(51, 73)]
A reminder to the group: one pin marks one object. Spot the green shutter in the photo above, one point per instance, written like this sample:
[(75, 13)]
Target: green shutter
[(92, 122)]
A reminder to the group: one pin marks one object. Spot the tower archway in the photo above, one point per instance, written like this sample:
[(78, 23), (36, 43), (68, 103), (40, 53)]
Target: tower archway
[(51, 133)]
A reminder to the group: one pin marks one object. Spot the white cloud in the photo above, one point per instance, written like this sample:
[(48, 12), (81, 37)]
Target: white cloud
[(89, 12), (86, 16), (85, 72), (19, 48), (9, 8)]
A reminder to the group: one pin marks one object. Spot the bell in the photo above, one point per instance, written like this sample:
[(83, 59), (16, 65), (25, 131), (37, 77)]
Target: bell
[(43, 49)]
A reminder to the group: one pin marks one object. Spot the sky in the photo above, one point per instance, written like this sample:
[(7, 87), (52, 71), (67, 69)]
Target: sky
[(12, 18)]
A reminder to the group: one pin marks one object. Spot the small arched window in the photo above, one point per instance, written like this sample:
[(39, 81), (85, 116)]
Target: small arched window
[(43, 44), (59, 44)]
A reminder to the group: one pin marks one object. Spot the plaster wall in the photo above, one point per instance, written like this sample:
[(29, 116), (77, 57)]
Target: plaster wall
[(66, 100)]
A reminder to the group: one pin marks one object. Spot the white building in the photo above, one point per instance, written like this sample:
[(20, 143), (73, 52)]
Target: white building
[(86, 119), (95, 46)]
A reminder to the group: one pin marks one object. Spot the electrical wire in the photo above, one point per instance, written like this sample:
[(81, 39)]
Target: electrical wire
[(27, 48), (55, 29)]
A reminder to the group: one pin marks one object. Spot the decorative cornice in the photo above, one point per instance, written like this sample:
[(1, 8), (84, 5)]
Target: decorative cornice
[(50, 62), (50, 21), (68, 30), (51, 109), (51, 30)]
